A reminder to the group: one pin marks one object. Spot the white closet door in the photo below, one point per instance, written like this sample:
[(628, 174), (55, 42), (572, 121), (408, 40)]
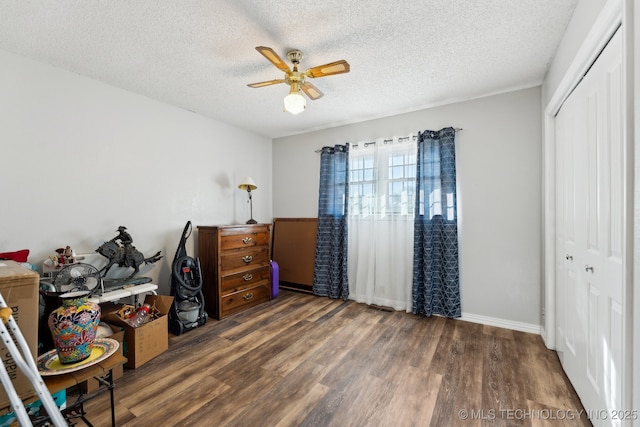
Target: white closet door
[(591, 234)]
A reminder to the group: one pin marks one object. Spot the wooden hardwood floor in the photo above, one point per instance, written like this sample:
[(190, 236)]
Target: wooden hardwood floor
[(301, 360)]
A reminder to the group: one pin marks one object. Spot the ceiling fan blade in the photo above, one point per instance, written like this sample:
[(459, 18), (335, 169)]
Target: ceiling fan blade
[(267, 83), (273, 57), (330, 69), (311, 91)]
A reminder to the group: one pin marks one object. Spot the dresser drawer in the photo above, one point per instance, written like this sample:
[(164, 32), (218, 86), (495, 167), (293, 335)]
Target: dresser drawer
[(244, 238), (247, 259), (243, 280), (242, 300)]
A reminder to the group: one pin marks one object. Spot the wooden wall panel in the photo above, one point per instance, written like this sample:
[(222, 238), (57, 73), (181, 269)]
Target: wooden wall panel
[(294, 249)]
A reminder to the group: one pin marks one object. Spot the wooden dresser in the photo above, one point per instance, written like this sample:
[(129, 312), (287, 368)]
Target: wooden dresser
[(235, 267)]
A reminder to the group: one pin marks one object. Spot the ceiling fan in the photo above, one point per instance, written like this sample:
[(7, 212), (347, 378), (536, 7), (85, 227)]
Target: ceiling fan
[(294, 102)]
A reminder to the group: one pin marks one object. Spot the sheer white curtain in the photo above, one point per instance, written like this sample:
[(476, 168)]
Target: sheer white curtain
[(382, 177)]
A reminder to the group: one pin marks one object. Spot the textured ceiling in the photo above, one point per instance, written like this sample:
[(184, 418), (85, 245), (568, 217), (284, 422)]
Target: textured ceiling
[(200, 54)]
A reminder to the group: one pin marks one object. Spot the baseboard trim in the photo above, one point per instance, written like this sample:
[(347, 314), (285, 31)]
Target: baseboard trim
[(543, 334), (502, 323)]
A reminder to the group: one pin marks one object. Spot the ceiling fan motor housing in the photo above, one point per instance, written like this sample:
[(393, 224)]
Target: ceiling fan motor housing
[(295, 56), (294, 77)]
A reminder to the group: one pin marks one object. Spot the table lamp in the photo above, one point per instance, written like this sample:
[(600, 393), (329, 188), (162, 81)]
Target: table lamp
[(249, 185)]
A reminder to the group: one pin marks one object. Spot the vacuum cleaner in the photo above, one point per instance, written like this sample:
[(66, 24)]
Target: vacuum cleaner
[(187, 311)]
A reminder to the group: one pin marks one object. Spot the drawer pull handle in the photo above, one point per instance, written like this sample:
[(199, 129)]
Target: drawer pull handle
[(247, 258), (247, 297), (247, 277), (247, 240)]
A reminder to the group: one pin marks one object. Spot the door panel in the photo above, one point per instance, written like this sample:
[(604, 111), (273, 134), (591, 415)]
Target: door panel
[(590, 189), (594, 373), (614, 361)]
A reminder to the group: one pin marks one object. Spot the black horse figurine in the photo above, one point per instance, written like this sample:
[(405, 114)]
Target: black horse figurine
[(127, 256)]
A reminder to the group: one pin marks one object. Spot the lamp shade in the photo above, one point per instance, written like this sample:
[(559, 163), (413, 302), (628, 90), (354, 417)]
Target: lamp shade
[(247, 184), (295, 103)]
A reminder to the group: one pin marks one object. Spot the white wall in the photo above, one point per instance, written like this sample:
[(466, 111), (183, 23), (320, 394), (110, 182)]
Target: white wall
[(79, 158), (499, 180)]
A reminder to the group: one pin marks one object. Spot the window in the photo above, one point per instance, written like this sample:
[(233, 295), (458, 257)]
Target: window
[(382, 180), (433, 180), (402, 183)]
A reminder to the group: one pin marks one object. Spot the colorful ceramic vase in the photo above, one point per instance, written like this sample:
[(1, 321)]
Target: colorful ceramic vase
[(73, 327)]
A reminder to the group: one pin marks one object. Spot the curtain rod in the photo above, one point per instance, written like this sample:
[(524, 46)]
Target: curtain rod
[(391, 140)]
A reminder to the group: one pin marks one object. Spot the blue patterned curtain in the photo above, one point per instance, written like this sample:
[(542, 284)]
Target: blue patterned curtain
[(436, 284), (330, 271)]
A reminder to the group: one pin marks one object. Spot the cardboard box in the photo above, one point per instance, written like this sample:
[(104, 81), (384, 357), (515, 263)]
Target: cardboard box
[(117, 372), (149, 340), (19, 288), (34, 408)]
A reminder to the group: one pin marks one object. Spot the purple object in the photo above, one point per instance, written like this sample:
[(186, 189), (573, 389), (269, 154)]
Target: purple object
[(275, 281)]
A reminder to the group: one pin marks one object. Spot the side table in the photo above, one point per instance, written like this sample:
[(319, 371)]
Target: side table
[(102, 371)]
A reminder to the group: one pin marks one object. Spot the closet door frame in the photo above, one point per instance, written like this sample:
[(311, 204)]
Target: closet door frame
[(615, 14)]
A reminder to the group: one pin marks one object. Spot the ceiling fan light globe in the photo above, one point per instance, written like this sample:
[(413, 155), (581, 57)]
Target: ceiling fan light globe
[(295, 103)]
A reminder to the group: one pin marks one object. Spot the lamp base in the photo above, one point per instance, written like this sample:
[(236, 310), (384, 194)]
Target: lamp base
[(252, 221)]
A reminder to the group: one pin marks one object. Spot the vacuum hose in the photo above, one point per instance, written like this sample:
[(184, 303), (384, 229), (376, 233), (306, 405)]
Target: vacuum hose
[(187, 272)]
